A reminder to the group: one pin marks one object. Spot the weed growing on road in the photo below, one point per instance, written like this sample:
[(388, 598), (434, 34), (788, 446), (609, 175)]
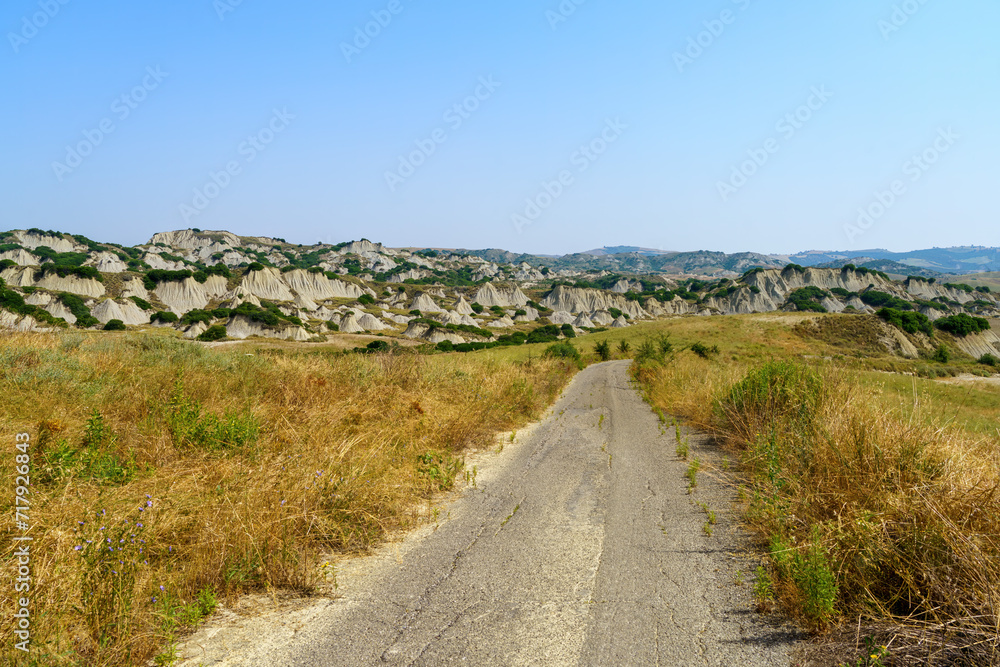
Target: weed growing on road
[(600, 423), (692, 475), (683, 449)]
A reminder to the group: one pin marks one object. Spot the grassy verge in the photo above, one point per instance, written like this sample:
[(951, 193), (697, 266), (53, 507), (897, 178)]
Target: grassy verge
[(166, 475), (876, 497)]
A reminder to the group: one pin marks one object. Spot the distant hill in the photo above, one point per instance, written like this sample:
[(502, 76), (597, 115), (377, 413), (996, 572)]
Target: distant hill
[(625, 249), (929, 263), (962, 259)]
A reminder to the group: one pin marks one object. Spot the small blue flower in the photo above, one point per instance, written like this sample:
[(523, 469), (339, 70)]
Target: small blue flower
[(77, 548)]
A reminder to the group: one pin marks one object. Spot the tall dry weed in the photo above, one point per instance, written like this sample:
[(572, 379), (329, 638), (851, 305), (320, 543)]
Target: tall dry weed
[(247, 463)]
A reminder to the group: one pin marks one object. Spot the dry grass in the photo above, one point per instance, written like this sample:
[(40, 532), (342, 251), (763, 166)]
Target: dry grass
[(241, 464), (879, 521)]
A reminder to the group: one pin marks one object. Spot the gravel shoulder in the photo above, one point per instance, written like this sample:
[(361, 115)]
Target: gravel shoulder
[(579, 545)]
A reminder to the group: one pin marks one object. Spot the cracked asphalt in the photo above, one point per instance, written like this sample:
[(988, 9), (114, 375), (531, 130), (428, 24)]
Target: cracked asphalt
[(583, 548)]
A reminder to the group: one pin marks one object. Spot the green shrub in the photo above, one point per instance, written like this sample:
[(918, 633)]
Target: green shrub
[(142, 303), (962, 325), (773, 393), (195, 316), (332, 326), (114, 325), (562, 350), (366, 299), (877, 299), (157, 276), (544, 334), (807, 299), (810, 569), (255, 266), (516, 338), (213, 333), (909, 321), (192, 426), (85, 272), (942, 354), (477, 309), (567, 331), (989, 360), (79, 309), (164, 316), (603, 350), (445, 346), (704, 351)]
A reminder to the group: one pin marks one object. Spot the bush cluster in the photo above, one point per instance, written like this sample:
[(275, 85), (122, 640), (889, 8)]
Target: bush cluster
[(962, 325), (910, 321)]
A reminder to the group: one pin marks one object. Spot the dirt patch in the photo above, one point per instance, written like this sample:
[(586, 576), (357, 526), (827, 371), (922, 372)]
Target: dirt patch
[(966, 379)]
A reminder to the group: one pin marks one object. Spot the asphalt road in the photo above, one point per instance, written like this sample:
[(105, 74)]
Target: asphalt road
[(584, 548)]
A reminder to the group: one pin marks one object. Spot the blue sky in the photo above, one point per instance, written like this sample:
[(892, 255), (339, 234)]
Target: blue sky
[(725, 125)]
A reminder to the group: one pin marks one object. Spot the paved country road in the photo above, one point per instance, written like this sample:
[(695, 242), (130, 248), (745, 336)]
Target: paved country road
[(582, 547)]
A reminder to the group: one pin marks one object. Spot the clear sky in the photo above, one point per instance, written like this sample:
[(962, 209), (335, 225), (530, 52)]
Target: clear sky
[(724, 125)]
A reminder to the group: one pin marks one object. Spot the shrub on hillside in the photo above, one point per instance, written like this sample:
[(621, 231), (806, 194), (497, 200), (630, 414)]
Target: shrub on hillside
[(942, 354), (603, 350), (567, 331), (563, 350), (704, 351), (545, 334), (807, 299), (962, 325), (164, 316), (877, 299), (366, 299), (909, 321), (142, 303), (114, 325), (989, 360), (213, 333), (79, 309)]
